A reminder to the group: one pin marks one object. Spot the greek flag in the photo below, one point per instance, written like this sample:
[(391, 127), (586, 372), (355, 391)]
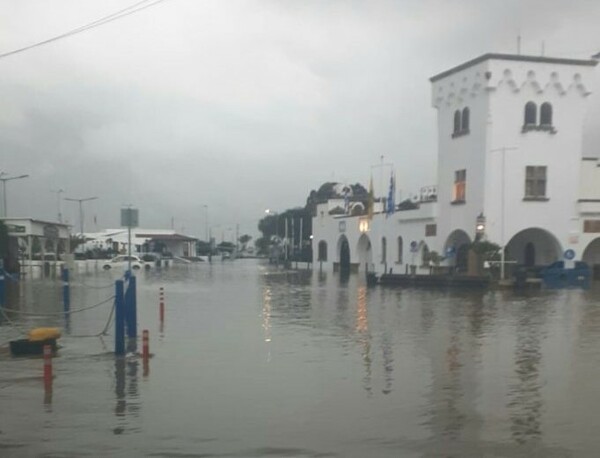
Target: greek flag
[(391, 200)]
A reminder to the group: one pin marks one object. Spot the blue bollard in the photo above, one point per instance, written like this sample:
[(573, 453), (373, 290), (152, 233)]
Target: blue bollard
[(66, 290), (132, 326), (119, 319), (2, 287)]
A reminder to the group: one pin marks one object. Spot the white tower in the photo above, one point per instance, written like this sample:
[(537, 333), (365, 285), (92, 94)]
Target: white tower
[(509, 149)]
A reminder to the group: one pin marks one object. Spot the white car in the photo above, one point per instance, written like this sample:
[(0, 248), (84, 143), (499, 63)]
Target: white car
[(123, 262)]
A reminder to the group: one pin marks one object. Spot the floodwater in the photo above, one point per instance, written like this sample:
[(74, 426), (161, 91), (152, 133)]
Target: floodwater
[(254, 361)]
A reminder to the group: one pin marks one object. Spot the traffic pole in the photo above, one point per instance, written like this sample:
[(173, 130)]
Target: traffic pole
[(119, 319), (162, 305), (47, 367), (146, 351)]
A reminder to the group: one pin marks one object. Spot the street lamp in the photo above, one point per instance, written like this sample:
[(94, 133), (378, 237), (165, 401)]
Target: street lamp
[(4, 180), (480, 227), (206, 222), (80, 209), (58, 193), (503, 150)]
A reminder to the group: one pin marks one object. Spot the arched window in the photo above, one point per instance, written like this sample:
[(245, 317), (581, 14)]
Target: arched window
[(383, 250), (400, 250), (546, 114), (457, 121), (322, 251), (530, 114), (465, 119)]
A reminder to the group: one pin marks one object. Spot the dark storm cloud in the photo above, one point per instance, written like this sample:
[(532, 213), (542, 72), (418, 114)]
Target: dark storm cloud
[(243, 105)]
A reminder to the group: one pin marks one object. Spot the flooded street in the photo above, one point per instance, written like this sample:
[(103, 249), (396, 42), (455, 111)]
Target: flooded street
[(255, 361)]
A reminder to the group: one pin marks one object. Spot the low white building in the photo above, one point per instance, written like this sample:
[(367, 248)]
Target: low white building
[(160, 241), (510, 133)]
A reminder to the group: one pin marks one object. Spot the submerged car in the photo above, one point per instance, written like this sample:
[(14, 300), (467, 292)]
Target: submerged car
[(123, 262)]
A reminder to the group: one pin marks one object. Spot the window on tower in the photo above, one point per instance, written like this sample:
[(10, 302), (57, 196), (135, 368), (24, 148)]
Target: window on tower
[(456, 122), (465, 120), (530, 121), (530, 114), (459, 192), (535, 182), (545, 114), (461, 122)]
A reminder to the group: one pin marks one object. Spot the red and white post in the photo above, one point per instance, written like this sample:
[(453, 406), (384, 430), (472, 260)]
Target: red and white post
[(162, 305), (47, 367), (145, 350)]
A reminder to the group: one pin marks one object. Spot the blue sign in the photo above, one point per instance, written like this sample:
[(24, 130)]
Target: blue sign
[(569, 254), (414, 247)]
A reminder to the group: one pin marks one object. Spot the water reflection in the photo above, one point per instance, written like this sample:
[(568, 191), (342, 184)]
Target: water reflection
[(364, 338), (525, 398), (361, 372), (127, 403), (266, 314)]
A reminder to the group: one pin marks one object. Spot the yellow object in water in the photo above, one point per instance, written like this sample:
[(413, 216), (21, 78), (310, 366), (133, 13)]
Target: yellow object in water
[(38, 334)]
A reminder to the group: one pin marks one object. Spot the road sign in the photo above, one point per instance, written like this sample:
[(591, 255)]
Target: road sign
[(414, 246), (569, 254), (129, 217)]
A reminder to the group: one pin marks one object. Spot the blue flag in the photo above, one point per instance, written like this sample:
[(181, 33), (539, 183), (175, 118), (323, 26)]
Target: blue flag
[(391, 200)]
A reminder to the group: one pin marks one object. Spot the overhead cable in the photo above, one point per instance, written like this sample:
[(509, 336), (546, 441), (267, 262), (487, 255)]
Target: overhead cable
[(139, 6)]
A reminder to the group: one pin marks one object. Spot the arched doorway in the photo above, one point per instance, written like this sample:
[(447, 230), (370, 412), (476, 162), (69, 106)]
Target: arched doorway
[(533, 247), (529, 254), (456, 250), (591, 256), (423, 254), (365, 253), (322, 253), (344, 254)]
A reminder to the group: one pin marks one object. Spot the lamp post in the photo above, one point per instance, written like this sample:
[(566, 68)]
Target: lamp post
[(504, 149), (206, 222), (85, 199), (4, 180), (58, 193), (270, 212), (480, 227)]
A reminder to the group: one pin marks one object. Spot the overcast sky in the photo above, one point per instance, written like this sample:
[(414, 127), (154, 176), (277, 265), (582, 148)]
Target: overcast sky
[(242, 105)]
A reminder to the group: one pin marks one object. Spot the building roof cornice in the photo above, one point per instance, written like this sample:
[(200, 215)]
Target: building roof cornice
[(516, 58)]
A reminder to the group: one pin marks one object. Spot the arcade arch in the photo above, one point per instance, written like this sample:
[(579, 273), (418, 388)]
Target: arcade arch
[(364, 251), (456, 249), (533, 247)]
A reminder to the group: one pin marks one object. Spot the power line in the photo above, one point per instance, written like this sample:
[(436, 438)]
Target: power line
[(139, 6)]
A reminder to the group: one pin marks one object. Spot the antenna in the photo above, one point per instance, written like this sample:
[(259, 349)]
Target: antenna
[(519, 43)]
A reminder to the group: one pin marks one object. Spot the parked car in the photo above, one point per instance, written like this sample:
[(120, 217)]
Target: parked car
[(122, 261)]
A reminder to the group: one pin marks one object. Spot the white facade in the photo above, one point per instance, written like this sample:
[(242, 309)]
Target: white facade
[(141, 241), (523, 173)]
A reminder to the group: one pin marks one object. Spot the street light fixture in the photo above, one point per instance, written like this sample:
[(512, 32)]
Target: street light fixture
[(58, 193), (80, 209), (206, 222), (4, 180)]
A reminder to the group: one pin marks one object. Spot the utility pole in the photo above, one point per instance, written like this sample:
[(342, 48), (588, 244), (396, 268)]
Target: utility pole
[(4, 180), (58, 193), (85, 199), (503, 150), (206, 222)]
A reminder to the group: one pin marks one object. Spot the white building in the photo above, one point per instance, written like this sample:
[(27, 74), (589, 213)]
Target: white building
[(160, 241), (510, 133)]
